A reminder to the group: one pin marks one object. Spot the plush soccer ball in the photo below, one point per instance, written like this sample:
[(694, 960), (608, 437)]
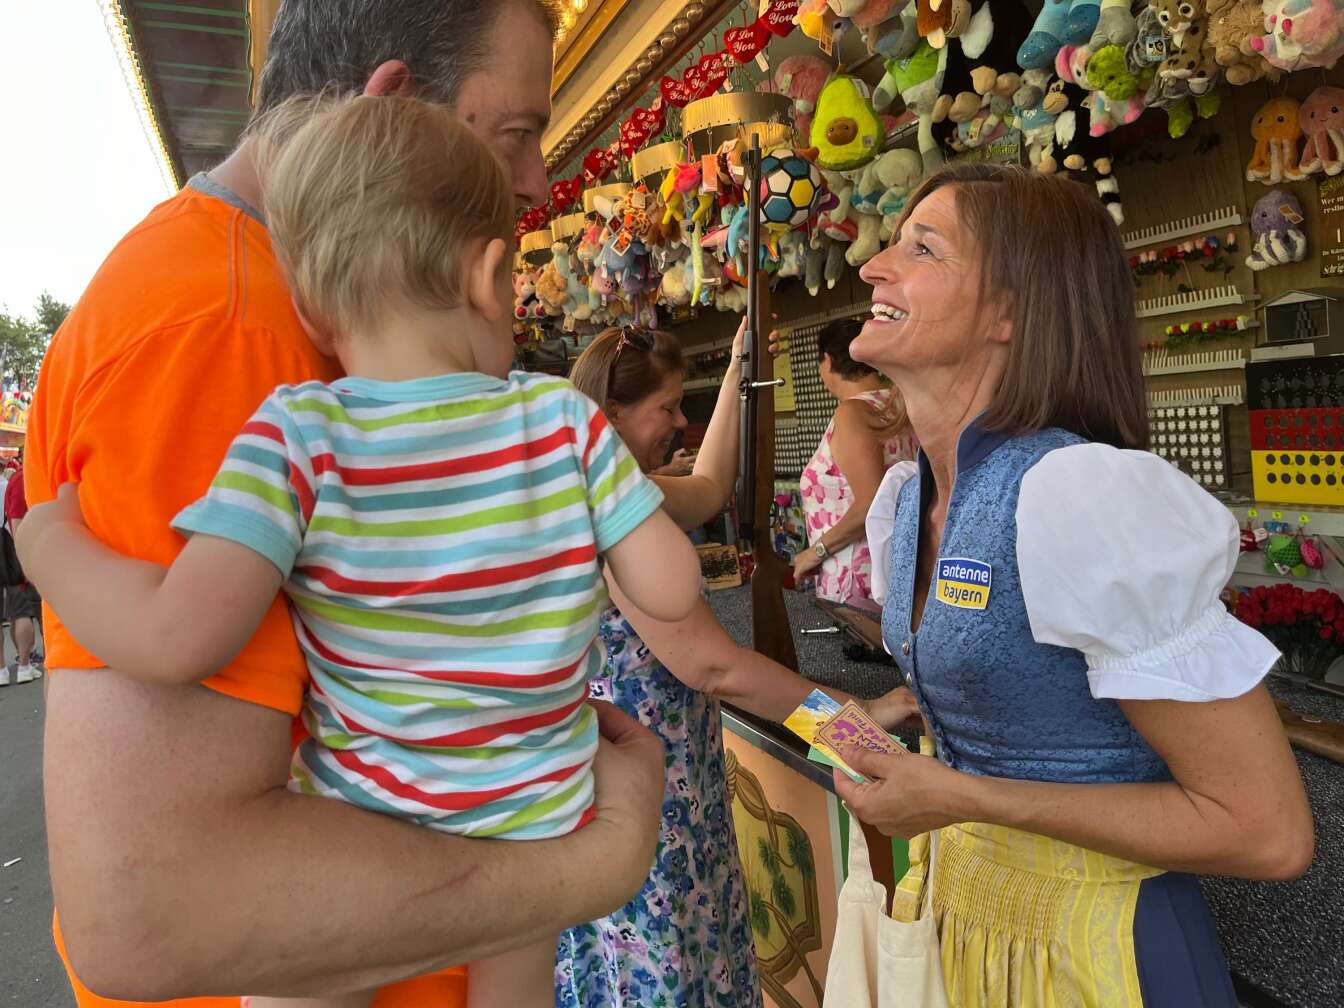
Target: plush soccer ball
[(790, 186)]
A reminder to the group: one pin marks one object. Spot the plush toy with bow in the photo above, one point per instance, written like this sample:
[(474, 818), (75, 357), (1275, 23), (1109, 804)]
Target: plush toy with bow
[(1276, 223), (1276, 130), (1322, 121)]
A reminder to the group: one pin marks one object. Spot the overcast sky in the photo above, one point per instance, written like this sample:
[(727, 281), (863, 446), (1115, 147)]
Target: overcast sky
[(76, 172)]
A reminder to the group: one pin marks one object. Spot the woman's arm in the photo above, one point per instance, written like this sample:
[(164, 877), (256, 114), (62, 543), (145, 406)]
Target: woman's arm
[(1236, 806), (699, 652), (172, 625), (858, 454), (695, 499)]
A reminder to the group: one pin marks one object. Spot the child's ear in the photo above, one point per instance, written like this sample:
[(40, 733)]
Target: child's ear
[(317, 335), (483, 281)]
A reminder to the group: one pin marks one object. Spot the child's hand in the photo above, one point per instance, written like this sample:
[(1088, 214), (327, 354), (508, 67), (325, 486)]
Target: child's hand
[(64, 510)]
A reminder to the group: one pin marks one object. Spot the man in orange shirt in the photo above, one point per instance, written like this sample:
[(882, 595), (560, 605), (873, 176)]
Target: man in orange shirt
[(180, 863)]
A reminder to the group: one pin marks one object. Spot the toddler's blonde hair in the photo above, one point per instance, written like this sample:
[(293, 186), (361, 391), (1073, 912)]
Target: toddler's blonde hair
[(376, 202)]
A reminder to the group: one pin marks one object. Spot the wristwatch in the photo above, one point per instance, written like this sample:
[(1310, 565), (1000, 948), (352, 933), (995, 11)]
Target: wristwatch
[(820, 550)]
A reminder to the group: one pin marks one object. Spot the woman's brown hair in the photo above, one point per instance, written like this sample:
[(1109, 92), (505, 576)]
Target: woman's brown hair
[(1051, 254), (626, 365), (833, 341)]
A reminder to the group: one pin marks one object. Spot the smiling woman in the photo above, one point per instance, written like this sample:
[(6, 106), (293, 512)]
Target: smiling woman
[(1051, 593)]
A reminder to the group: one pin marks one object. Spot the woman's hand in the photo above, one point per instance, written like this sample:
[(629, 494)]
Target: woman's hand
[(894, 708), (773, 343), (805, 561), (682, 463), (64, 509), (909, 794)]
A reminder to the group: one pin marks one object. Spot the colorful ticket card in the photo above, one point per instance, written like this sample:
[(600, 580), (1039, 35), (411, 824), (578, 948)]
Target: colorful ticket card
[(806, 721), (852, 726)]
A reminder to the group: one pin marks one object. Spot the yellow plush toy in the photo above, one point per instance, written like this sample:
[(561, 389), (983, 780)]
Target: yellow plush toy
[(846, 132)]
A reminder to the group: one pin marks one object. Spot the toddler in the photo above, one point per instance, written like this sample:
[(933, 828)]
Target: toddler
[(437, 522)]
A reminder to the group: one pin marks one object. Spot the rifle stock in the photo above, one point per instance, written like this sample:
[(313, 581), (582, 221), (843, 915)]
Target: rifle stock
[(771, 634)]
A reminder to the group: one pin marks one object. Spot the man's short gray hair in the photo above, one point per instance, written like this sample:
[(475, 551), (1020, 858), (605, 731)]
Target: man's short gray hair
[(335, 45)]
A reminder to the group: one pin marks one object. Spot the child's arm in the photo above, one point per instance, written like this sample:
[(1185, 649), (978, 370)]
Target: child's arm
[(172, 625), (658, 568)]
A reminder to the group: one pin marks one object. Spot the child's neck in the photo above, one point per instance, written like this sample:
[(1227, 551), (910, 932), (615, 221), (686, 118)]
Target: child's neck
[(415, 343)]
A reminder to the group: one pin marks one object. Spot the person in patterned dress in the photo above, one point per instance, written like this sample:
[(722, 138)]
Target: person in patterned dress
[(685, 940), (868, 434)]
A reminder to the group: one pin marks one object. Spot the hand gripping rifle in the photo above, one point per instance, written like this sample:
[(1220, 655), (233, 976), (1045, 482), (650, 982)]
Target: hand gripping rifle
[(770, 631)]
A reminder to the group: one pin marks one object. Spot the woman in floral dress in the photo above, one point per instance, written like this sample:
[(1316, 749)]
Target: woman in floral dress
[(685, 940), (868, 434)]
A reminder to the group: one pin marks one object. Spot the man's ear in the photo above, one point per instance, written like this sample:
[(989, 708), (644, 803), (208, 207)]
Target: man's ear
[(390, 78), (318, 335), (483, 284)]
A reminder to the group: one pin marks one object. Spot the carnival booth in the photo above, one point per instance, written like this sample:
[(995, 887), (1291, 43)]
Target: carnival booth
[(715, 158), (1213, 132)]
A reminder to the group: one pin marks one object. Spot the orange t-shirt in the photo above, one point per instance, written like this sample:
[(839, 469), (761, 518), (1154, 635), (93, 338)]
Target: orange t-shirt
[(182, 333)]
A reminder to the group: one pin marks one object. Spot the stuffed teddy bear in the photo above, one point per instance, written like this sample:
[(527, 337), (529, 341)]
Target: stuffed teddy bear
[(1275, 223), (552, 291), (1232, 26), (1302, 33), (801, 78), (1190, 56), (1322, 121), (576, 302), (1276, 129), (899, 172)]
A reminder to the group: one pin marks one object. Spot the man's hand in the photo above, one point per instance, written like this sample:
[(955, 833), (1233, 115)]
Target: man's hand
[(774, 343), (909, 794), (630, 778)]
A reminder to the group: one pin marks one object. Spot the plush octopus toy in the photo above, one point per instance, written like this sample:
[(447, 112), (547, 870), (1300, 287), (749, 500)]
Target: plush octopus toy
[(1322, 120), (1275, 223), (1276, 129)]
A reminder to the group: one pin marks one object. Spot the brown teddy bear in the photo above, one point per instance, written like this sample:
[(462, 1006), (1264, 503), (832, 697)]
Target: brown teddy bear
[(1232, 25)]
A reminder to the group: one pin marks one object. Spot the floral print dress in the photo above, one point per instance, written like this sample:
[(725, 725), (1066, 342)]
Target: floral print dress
[(846, 575), (685, 940)]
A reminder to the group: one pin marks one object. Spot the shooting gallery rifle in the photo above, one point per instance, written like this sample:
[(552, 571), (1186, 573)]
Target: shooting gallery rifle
[(771, 634), (770, 631)]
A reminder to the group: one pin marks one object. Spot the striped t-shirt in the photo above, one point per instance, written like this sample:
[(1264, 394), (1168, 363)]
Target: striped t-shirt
[(440, 540)]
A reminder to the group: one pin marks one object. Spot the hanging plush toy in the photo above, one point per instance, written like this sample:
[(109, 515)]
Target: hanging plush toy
[(897, 38), (917, 80), (801, 78), (1072, 64), (1322, 120), (1033, 116), (790, 188), (1276, 223), (846, 131), (1233, 24), (1078, 151), (1276, 130), (900, 172), (1115, 26), (1301, 34), (1172, 93)]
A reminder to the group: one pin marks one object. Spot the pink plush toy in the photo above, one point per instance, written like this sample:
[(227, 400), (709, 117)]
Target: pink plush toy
[(1302, 33), (867, 16), (802, 78), (1322, 119)]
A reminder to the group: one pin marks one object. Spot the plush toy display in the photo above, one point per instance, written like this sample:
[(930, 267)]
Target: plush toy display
[(1233, 24), (802, 77), (1322, 121), (1046, 37), (899, 172), (1031, 115), (1276, 223), (846, 131), (1301, 34), (1276, 130), (1170, 92)]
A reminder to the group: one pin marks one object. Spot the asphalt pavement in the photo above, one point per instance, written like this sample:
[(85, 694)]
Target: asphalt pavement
[(30, 972)]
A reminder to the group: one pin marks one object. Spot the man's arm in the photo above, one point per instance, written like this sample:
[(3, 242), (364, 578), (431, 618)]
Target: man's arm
[(182, 866)]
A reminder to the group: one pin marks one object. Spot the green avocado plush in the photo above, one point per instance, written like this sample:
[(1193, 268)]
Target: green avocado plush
[(846, 132)]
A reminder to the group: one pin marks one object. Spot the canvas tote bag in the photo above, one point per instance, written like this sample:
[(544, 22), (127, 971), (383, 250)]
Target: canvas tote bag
[(878, 962)]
